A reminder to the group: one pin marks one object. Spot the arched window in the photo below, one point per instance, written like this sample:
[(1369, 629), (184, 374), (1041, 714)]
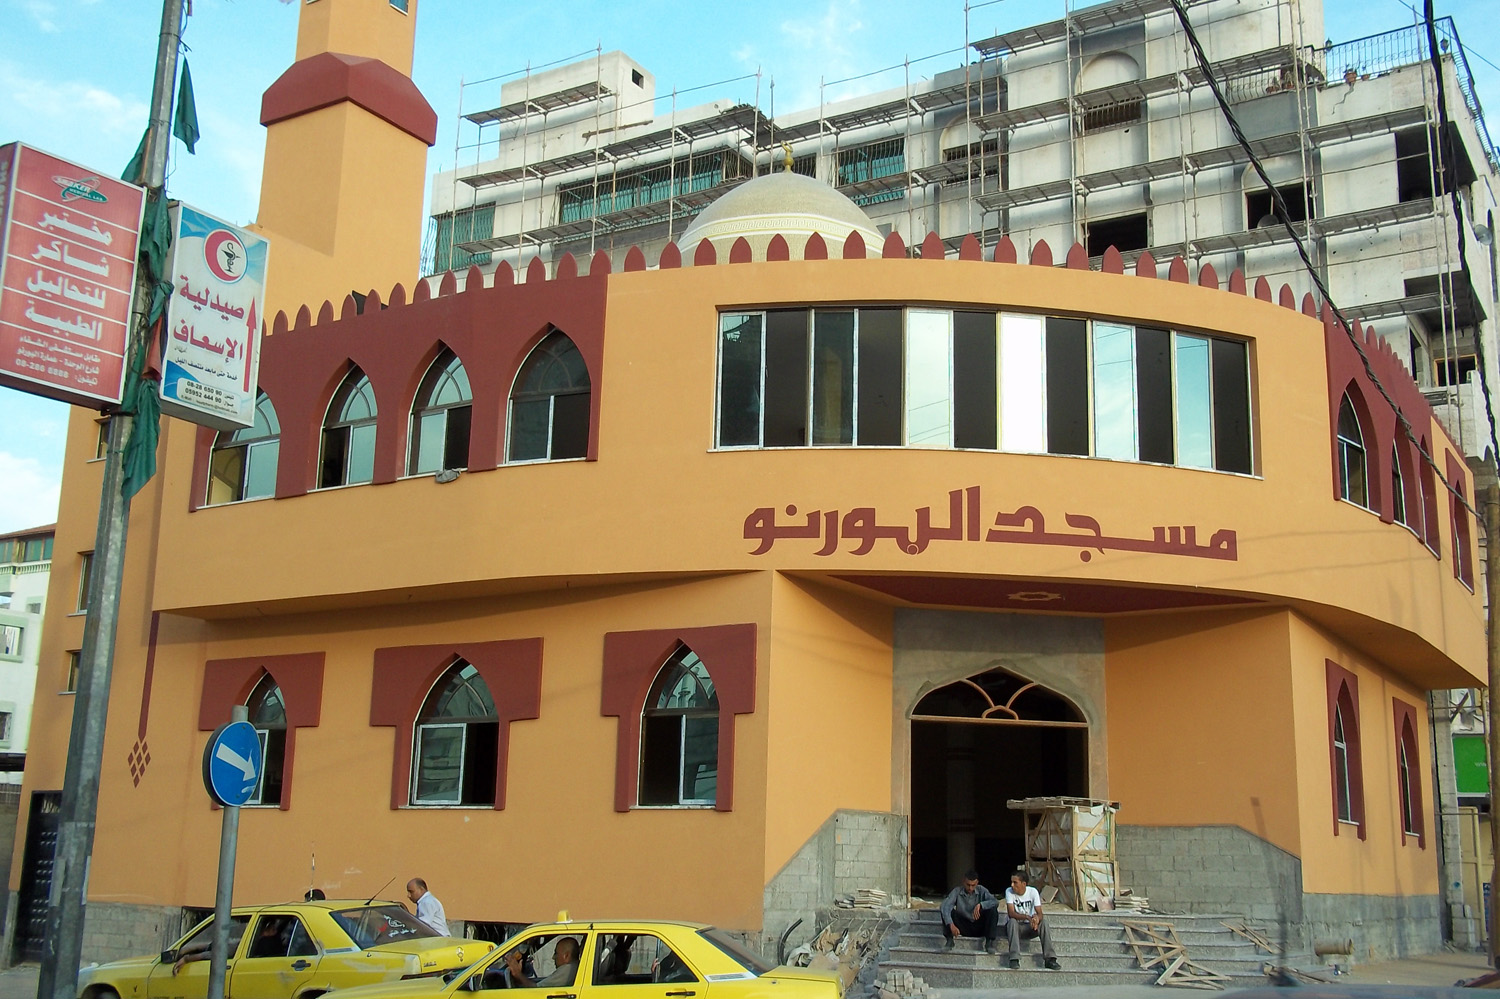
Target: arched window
[(1408, 771), (440, 418), (680, 734), (268, 715), (1353, 484), (349, 434), (243, 463), (457, 740), (1398, 488), (549, 407), (1106, 70), (1343, 786)]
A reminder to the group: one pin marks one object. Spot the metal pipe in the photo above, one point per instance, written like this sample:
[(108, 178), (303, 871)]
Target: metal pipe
[(229, 837), (58, 976), (1492, 593)]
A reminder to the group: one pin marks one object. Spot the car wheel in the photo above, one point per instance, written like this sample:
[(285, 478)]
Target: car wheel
[(104, 992)]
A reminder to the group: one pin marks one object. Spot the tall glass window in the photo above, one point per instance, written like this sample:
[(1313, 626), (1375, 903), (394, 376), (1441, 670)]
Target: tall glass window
[(929, 375), (457, 740), (243, 463), (1353, 485), (680, 734), (1114, 391), (1343, 796), (833, 378), (1398, 488), (550, 405), (440, 418), (1195, 442), (349, 433), (1023, 384), (268, 715)]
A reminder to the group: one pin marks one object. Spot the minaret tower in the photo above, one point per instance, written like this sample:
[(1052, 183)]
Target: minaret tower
[(347, 134)]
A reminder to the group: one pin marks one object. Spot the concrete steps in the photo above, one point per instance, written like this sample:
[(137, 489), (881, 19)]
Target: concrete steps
[(1091, 948)]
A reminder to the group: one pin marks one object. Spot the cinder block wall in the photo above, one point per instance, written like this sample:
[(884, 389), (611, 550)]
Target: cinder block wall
[(112, 930), (1225, 869), (851, 850)]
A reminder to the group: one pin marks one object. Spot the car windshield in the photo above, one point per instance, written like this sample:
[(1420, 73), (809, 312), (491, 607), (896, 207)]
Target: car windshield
[(373, 925), (729, 945)]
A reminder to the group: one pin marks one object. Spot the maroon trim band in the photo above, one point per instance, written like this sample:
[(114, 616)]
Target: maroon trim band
[(330, 78)]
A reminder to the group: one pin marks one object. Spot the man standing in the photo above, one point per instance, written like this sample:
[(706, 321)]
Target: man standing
[(971, 910), (1023, 917), (429, 909)]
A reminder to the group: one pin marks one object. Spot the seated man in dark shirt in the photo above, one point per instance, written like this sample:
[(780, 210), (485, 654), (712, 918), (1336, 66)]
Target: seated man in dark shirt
[(566, 956), (971, 910)]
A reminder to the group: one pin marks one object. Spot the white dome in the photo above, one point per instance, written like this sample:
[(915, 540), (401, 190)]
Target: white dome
[(787, 203)]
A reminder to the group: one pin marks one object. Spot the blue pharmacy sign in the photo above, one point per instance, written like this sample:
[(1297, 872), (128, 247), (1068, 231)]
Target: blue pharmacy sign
[(232, 762)]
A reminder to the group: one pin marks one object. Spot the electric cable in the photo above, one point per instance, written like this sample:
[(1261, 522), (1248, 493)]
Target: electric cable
[(1283, 214)]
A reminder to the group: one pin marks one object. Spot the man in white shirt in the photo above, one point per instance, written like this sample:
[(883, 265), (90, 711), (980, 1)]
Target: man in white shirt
[(429, 909), (1023, 918)]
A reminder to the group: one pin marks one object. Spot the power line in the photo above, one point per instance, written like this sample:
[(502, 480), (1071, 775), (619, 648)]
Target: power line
[(1283, 214)]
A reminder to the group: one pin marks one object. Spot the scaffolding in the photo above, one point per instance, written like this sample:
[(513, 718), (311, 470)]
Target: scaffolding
[(1044, 167)]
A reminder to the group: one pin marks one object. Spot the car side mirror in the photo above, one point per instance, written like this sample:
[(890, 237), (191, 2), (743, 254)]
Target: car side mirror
[(168, 956)]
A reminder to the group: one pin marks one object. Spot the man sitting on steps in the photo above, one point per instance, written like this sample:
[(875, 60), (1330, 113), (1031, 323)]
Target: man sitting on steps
[(971, 910), (1023, 916)]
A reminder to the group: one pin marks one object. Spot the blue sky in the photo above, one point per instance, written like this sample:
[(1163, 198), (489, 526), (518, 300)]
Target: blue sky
[(75, 80)]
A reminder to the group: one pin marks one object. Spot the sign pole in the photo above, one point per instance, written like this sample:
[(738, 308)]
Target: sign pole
[(58, 978), (229, 838)]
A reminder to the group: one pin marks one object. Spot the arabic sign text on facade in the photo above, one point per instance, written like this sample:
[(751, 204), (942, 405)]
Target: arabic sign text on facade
[(68, 240), (212, 337)]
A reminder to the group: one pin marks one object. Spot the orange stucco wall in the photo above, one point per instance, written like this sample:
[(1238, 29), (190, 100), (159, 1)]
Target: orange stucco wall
[(1200, 724), (830, 687), (371, 28)]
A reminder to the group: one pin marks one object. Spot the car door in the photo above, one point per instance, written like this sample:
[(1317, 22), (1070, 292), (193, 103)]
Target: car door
[(188, 977), (539, 951), (279, 958), (641, 966)]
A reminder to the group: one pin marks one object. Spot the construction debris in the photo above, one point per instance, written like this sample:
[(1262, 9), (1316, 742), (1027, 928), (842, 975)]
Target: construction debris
[(1277, 971), (1156, 945), (864, 898), (902, 984), (1254, 934), (843, 947)]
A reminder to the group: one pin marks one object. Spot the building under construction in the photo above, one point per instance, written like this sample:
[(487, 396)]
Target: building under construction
[(1101, 128)]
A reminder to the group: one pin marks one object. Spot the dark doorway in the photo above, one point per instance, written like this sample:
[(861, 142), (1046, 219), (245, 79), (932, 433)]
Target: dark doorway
[(975, 744), (36, 875)]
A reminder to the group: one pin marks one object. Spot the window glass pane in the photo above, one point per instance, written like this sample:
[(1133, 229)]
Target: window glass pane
[(362, 453), (260, 478), (273, 752), (661, 746), (440, 761), (528, 429), (1067, 405), (974, 401), (359, 403), (1194, 418), (700, 758), (833, 378), (335, 446), (928, 364), (880, 376), (225, 469), (786, 378), (481, 755), (570, 425), (1114, 391), (1023, 407), (1231, 393), (427, 448), (1153, 382), (740, 338), (456, 437)]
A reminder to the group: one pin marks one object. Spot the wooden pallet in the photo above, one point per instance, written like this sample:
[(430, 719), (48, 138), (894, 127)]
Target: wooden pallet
[(1156, 944), (1254, 934)]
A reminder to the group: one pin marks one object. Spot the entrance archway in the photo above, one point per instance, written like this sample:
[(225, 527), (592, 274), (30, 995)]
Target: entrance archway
[(976, 743)]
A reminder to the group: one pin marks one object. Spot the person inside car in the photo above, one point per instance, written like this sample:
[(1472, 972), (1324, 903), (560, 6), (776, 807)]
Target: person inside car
[(566, 956)]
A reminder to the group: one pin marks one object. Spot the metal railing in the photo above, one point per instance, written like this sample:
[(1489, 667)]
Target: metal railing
[(1377, 54)]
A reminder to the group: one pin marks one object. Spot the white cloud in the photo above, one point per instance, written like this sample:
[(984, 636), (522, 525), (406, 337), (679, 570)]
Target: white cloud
[(29, 496), (822, 44), (38, 103)]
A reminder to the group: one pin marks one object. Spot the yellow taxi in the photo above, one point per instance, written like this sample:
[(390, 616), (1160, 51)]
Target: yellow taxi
[(293, 951), (618, 959)]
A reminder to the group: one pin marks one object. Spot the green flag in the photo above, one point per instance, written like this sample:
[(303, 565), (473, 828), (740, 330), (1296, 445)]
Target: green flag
[(185, 122)]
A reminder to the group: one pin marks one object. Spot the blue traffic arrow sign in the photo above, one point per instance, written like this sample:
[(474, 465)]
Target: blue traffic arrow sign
[(232, 762)]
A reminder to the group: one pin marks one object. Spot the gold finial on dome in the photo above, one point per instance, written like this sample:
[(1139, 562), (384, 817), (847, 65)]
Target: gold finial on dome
[(786, 147)]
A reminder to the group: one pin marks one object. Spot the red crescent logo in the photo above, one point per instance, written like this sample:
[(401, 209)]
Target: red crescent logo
[(225, 255)]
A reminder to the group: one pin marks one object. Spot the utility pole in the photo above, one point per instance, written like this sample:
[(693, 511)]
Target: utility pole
[(80, 798), (1492, 597)]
